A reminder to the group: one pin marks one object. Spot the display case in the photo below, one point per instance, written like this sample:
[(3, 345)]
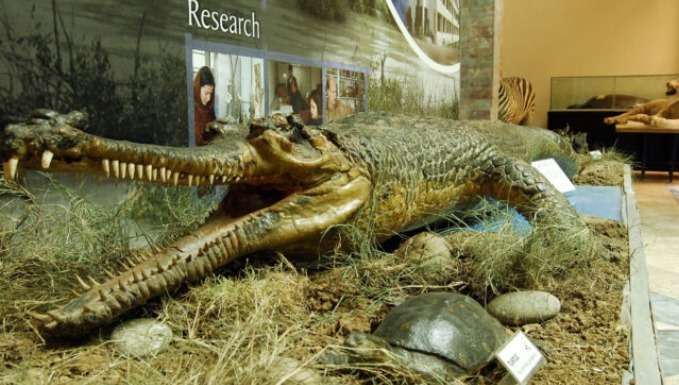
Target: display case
[(606, 92), (580, 104)]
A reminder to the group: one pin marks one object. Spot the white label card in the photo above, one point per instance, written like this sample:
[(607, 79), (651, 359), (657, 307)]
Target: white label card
[(520, 357), (554, 174)]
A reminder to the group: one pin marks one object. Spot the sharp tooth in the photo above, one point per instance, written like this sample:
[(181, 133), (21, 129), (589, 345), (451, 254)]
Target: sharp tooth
[(10, 167), (212, 178), (140, 171), (47, 156), (56, 316), (175, 178), (106, 165), (82, 283), (190, 180), (116, 168), (94, 281), (163, 174), (123, 170), (42, 318), (224, 178), (131, 168), (149, 172), (199, 180), (154, 175), (168, 174)]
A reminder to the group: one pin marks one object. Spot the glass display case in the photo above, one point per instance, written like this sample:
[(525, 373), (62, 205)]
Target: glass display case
[(606, 92)]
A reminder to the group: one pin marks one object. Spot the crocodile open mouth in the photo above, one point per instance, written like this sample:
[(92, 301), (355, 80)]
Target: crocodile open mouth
[(284, 188)]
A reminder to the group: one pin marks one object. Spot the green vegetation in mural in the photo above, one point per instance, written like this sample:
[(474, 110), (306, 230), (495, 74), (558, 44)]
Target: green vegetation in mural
[(406, 95), (46, 68)]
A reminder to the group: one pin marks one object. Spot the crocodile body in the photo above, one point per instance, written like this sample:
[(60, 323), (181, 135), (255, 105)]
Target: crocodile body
[(294, 188)]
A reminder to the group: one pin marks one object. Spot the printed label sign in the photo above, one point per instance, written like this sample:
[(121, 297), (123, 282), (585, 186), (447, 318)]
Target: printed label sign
[(521, 357), (554, 174)]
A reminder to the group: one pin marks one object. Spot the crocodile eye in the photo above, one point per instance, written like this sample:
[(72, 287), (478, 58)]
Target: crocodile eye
[(93, 318), (296, 136)]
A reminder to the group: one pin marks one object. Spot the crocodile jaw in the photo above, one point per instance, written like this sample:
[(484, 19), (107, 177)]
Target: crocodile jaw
[(304, 182)]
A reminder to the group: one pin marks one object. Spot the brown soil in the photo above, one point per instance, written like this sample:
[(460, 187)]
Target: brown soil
[(233, 328)]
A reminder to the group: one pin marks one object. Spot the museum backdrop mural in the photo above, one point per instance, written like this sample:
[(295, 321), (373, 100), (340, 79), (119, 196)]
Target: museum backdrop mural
[(158, 71)]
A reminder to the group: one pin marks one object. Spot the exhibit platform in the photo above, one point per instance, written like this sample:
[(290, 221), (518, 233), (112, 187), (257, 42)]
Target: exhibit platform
[(650, 209), (658, 209)]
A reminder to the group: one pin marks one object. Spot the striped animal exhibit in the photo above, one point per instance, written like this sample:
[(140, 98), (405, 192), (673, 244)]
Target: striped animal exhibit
[(516, 101)]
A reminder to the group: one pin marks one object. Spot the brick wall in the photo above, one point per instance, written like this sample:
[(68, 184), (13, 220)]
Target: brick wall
[(480, 58)]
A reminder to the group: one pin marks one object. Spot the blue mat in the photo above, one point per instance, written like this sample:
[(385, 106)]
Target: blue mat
[(598, 201)]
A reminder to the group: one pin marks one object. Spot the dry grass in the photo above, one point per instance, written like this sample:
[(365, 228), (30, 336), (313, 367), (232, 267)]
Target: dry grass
[(267, 322)]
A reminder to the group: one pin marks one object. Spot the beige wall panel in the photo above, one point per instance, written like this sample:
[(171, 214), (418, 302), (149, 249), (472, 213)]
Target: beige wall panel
[(546, 38)]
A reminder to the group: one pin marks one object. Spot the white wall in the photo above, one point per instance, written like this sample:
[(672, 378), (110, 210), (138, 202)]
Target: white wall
[(546, 38)]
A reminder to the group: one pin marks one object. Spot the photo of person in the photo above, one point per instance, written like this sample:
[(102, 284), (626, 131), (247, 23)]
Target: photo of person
[(316, 108), (203, 102), (343, 101), (279, 99), (225, 86), (299, 81)]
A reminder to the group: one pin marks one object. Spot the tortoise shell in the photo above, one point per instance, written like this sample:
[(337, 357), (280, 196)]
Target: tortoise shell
[(451, 326)]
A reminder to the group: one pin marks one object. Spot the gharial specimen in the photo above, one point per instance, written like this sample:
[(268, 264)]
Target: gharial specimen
[(293, 188)]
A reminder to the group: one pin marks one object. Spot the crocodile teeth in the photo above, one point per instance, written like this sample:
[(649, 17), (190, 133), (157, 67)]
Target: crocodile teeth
[(116, 168), (175, 178), (10, 167), (94, 281), (154, 174), (42, 318), (212, 178), (190, 180), (106, 165), (140, 171), (56, 316), (148, 171), (163, 174), (131, 169), (123, 170), (46, 159), (82, 283)]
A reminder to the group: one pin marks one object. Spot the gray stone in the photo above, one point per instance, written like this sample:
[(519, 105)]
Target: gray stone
[(524, 307), (427, 248), (288, 371), (141, 337)]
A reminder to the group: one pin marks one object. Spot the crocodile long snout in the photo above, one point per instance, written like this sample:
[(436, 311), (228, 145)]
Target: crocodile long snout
[(293, 188)]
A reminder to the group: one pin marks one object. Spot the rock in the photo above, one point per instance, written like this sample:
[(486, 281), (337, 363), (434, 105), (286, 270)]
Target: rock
[(288, 371), (426, 247), (141, 337), (524, 307)]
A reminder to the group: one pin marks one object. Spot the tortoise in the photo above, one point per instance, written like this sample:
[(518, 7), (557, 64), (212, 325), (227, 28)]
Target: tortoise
[(438, 334)]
